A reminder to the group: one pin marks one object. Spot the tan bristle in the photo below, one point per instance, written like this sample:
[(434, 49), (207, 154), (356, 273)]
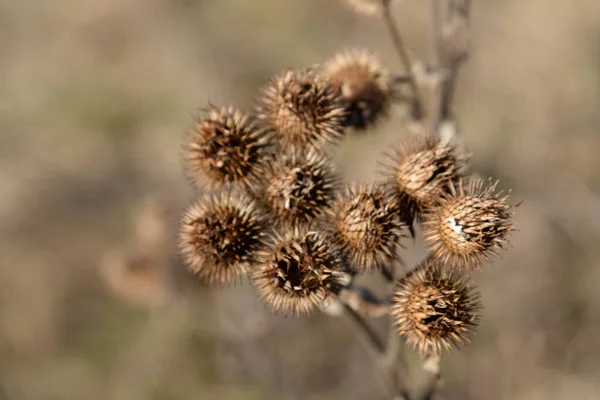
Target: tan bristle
[(364, 84), (297, 273), (220, 236), (365, 225), (435, 308), (302, 109), (297, 187), (469, 225), (225, 147), (421, 171)]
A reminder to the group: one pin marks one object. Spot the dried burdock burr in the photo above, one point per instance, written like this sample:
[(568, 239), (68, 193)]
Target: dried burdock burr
[(470, 224), (225, 147), (421, 171), (365, 226), (365, 86), (297, 273), (434, 308), (297, 187), (302, 108), (220, 236)]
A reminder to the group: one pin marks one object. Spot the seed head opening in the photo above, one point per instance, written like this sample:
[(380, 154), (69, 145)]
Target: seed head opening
[(421, 171), (220, 236), (364, 84), (226, 147), (297, 187), (297, 273), (470, 224), (303, 109), (435, 308), (365, 225)]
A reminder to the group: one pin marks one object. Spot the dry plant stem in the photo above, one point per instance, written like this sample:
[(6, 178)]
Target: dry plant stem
[(364, 302), (435, 38), (381, 355), (443, 13), (431, 367), (417, 111)]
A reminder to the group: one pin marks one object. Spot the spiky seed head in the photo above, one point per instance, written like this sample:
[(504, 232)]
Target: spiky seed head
[(365, 86), (297, 187), (421, 171), (297, 273), (365, 226), (471, 223), (434, 308), (225, 147), (302, 108), (220, 236)]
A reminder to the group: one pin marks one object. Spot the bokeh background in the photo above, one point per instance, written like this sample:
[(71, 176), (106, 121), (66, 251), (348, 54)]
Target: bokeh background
[(95, 101)]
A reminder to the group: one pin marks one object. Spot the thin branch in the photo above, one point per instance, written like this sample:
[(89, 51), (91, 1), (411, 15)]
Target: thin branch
[(431, 367), (364, 302), (381, 355), (368, 333), (417, 111), (435, 47)]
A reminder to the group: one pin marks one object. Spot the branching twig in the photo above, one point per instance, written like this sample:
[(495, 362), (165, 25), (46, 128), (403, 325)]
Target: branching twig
[(417, 111)]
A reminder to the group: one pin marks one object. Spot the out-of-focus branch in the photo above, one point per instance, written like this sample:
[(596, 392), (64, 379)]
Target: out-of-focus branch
[(417, 108), (381, 353), (449, 39), (431, 367), (365, 302)]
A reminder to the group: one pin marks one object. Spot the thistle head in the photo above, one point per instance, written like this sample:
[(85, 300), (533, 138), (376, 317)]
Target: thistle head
[(225, 147), (469, 224), (297, 187), (421, 171), (219, 237), (435, 308), (364, 84), (365, 225), (296, 273), (302, 109)]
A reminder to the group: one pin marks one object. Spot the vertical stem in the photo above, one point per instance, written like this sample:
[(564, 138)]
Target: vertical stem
[(417, 111), (435, 48)]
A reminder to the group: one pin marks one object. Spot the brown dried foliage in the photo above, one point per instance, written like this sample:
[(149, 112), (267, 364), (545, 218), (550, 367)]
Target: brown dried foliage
[(421, 171), (297, 273), (226, 147), (296, 187), (220, 236), (302, 109), (470, 224), (365, 86), (365, 225), (434, 308)]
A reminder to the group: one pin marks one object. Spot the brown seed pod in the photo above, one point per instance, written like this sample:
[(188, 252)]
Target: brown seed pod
[(302, 108), (365, 225), (297, 187), (435, 308), (364, 84), (220, 236), (469, 224), (297, 273), (421, 171), (226, 147)]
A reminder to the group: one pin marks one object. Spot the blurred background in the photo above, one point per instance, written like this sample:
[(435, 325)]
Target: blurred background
[(95, 101)]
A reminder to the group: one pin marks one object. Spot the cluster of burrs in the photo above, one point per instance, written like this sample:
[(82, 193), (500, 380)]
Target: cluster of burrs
[(277, 212)]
